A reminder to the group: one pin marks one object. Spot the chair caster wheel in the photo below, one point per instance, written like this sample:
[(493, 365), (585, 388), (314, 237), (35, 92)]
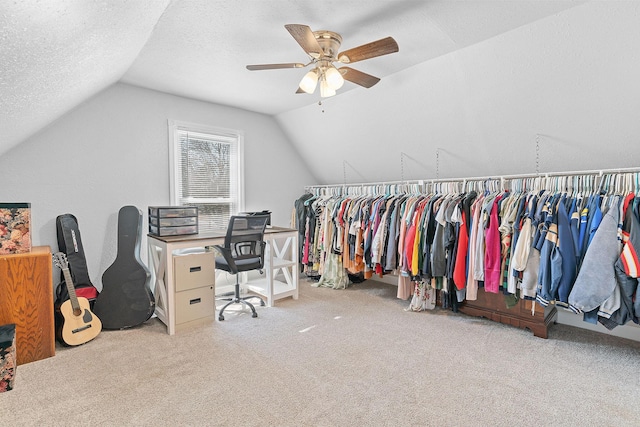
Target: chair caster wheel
[(221, 318), (254, 315)]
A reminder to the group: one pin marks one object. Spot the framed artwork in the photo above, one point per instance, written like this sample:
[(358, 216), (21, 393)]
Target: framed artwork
[(15, 228)]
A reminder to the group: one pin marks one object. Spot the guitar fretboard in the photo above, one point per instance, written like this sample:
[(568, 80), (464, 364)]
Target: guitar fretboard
[(60, 259), (71, 289)]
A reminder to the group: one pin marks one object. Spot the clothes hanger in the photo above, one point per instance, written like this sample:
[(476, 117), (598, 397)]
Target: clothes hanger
[(620, 187), (607, 189)]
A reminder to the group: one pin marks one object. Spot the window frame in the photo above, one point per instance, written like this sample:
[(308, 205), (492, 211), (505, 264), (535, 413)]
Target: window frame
[(233, 135)]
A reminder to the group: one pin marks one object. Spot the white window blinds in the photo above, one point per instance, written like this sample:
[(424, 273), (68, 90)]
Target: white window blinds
[(207, 174)]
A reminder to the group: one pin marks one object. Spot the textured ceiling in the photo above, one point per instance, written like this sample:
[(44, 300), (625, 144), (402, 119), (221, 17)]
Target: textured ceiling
[(57, 54), (200, 48)]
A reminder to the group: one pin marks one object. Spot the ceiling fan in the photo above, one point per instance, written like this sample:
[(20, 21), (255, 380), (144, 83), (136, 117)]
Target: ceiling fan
[(322, 47)]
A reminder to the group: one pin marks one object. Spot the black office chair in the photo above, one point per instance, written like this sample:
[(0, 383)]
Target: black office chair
[(243, 250)]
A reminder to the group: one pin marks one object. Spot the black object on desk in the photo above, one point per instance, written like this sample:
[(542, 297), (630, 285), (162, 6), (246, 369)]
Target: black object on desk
[(265, 212)]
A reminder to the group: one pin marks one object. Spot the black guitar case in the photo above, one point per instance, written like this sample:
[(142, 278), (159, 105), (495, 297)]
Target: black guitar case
[(70, 243), (126, 299)]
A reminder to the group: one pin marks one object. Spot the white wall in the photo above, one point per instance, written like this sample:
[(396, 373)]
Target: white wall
[(112, 151)]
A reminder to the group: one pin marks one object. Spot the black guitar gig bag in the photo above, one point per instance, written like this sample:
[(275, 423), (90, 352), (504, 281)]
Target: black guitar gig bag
[(70, 243), (126, 299)]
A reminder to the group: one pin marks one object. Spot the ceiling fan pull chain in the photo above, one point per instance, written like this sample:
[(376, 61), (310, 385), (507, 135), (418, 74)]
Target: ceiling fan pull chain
[(537, 154), (344, 172)]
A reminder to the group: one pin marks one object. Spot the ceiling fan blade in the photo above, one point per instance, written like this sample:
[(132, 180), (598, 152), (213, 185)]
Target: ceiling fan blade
[(300, 90), (370, 50), (305, 38), (358, 77), (274, 66)]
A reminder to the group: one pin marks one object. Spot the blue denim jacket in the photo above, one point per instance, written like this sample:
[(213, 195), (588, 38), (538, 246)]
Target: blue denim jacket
[(597, 278)]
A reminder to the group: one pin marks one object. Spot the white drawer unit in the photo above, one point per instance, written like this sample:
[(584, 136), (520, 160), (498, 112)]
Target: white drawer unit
[(194, 277)]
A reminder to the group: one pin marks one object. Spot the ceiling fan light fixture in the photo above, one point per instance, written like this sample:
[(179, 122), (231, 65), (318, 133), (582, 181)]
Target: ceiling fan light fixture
[(334, 78), (323, 47), (326, 90), (309, 81)]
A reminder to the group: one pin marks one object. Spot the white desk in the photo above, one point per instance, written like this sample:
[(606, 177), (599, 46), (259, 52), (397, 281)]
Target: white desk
[(281, 257)]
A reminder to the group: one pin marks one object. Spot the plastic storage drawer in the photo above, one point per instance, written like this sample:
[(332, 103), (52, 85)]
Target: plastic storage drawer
[(173, 220), (173, 211), (173, 231)]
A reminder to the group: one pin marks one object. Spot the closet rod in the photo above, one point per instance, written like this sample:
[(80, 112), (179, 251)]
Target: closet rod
[(572, 173), (409, 182), (541, 175), (599, 172)]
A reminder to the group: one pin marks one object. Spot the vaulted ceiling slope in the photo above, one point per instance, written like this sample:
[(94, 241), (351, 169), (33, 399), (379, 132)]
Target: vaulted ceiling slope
[(560, 94), (56, 55)]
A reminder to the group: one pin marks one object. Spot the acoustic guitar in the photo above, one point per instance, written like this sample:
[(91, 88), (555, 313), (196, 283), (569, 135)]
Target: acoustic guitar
[(79, 324)]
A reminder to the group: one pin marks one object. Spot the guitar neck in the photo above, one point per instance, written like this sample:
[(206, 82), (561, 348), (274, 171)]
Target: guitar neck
[(71, 289)]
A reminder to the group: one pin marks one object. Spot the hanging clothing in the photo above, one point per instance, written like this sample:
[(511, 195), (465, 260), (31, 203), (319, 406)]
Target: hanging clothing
[(596, 279), (460, 269), (551, 246), (492, 259), (566, 275)]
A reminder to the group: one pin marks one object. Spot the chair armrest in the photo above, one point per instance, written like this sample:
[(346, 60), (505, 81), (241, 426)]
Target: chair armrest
[(228, 257), (263, 246)]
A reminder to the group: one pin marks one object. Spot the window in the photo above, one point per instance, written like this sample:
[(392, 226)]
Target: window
[(206, 171)]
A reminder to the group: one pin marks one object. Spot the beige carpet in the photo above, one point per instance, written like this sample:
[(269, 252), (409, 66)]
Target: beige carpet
[(334, 358)]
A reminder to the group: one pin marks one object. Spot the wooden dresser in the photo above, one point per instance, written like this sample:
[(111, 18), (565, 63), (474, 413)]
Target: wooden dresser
[(26, 299)]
